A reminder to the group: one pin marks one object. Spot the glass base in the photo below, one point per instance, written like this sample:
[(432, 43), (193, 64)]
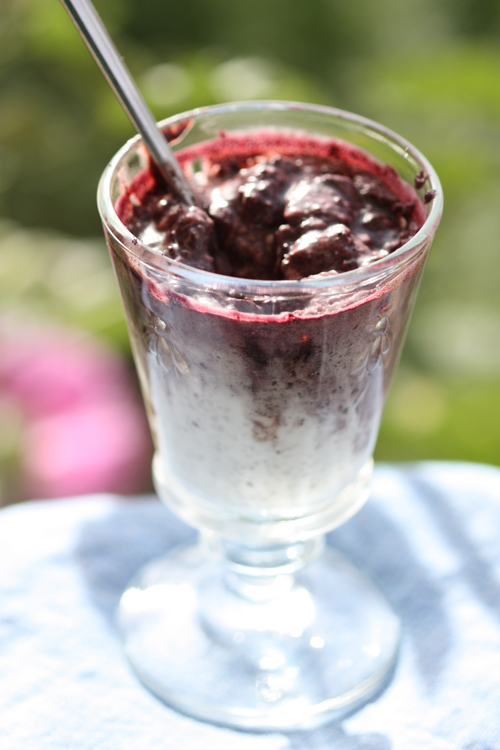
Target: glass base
[(288, 649)]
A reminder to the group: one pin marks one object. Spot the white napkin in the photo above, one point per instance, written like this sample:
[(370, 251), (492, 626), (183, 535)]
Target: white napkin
[(429, 536)]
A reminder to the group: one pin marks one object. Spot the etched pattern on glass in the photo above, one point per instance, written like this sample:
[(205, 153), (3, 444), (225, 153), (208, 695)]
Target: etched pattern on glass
[(159, 342), (381, 340)]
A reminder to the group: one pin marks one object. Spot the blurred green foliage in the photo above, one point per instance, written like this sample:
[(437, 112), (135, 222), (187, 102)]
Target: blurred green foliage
[(429, 69)]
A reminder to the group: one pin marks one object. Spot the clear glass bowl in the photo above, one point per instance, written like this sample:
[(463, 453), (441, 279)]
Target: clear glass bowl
[(264, 400)]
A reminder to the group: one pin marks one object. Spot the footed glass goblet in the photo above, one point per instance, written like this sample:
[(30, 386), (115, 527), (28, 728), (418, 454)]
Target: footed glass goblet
[(264, 399)]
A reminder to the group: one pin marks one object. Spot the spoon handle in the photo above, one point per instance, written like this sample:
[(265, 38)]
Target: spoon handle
[(97, 39)]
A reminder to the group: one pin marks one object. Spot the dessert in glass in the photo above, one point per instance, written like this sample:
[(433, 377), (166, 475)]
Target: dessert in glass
[(266, 324)]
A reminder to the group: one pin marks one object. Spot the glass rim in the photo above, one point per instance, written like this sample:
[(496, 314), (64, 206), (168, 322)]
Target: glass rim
[(373, 272)]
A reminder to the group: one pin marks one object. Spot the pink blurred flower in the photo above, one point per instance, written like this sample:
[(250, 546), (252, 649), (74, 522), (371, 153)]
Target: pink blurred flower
[(84, 427)]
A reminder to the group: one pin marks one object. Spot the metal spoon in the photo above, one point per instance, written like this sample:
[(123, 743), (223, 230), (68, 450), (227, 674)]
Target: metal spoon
[(94, 34)]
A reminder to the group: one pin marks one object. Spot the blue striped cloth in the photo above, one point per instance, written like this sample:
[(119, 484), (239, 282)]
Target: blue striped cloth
[(429, 536)]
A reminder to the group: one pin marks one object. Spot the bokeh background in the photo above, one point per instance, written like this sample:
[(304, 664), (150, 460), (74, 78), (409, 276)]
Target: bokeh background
[(70, 418)]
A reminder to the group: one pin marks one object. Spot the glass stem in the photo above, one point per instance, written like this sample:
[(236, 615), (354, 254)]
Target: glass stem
[(261, 573)]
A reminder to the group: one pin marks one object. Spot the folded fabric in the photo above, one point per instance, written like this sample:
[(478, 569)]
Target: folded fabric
[(429, 536)]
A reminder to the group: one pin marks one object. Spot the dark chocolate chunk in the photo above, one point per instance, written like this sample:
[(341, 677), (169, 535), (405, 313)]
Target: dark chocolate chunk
[(377, 220), (245, 250), (262, 193), (189, 235), (320, 198), (317, 198), (334, 249), (371, 187)]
